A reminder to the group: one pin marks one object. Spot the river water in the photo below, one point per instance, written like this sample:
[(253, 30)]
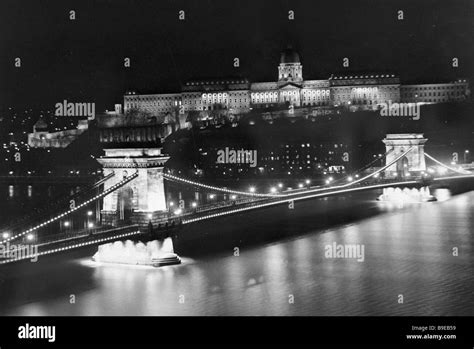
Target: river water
[(272, 262)]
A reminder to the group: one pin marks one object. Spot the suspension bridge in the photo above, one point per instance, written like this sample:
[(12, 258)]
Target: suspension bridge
[(132, 197)]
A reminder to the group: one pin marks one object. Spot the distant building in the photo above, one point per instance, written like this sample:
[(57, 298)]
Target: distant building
[(286, 159), (436, 93), (43, 138), (236, 96)]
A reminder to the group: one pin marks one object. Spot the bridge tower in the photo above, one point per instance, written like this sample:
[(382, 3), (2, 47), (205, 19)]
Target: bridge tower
[(413, 161), (142, 199), (133, 143)]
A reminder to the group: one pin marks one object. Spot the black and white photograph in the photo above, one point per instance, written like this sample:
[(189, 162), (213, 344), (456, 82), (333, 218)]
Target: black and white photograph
[(257, 161)]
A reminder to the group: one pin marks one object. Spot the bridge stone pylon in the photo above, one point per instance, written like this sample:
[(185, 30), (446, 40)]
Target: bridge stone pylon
[(399, 143), (144, 195), (134, 142)]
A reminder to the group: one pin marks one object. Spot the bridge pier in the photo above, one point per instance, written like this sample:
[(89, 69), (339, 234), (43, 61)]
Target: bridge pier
[(406, 194)]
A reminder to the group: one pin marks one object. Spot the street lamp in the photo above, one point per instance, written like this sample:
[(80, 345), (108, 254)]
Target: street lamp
[(466, 152), (252, 189), (273, 190), (89, 214), (170, 206), (6, 235)]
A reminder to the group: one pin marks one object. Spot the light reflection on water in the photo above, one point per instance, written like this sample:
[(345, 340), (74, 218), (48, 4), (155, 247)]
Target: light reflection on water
[(407, 251), (442, 194)]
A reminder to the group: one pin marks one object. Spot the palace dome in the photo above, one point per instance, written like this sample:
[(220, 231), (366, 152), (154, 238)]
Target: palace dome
[(289, 56)]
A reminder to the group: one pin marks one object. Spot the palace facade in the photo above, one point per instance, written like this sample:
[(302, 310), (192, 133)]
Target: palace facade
[(354, 91)]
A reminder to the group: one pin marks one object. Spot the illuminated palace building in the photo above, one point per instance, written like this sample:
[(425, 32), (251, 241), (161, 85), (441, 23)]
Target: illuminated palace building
[(205, 102), (239, 96)]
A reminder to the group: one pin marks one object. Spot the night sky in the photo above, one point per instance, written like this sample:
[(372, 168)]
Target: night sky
[(82, 60)]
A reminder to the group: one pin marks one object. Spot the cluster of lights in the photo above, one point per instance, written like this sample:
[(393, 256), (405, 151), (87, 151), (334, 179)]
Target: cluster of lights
[(169, 176), (273, 203), (443, 165), (104, 193), (329, 180), (273, 190), (350, 179), (71, 247), (454, 177)]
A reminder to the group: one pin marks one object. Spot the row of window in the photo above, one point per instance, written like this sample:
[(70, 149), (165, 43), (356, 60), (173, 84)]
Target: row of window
[(166, 103), (444, 87), (433, 94), (152, 99), (223, 96)]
